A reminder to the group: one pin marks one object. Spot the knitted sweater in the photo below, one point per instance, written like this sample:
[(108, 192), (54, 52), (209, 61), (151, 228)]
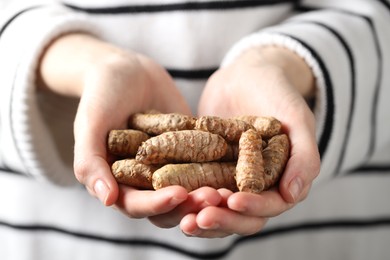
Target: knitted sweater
[(45, 212)]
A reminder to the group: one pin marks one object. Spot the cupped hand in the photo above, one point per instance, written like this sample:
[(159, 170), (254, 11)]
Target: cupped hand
[(113, 89), (260, 85)]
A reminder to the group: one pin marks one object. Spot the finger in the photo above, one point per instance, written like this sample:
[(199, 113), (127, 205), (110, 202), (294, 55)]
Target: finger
[(95, 174), (145, 203), (299, 173), (197, 200), (225, 194), (303, 165), (91, 167), (305, 192), (90, 155), (190, 228), (267, 204), (218, 222)]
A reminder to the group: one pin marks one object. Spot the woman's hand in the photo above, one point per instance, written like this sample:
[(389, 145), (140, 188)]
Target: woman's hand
[(112, 84), (266, 82)]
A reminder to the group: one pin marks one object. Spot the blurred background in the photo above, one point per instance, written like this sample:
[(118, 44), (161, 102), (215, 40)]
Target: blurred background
[(3, 3)]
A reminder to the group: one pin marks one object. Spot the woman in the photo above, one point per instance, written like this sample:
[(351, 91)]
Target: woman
[(317, 66)]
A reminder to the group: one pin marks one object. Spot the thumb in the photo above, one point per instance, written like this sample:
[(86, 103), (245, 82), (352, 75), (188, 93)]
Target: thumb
[(302, 167), (90, 161)]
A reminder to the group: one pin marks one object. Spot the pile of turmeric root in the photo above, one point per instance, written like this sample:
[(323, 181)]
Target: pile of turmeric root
[(247, 153)]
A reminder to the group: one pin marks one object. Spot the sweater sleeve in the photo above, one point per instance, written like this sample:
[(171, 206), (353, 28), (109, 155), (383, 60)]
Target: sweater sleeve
[(31, 142), (347, 47)]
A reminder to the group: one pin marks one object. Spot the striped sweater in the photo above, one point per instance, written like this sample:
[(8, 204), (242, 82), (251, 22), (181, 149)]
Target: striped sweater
[(46, 214)]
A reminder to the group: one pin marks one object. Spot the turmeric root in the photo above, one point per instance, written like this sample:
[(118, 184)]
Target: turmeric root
[(231, 154), (266, 126), (195, 175), (155, 124), (133, 173), (230, 129), (275, 156), (250, 164), (125, 143), (246, 153), (182, 146)]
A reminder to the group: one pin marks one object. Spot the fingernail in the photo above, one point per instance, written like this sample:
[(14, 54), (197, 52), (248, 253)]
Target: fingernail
[(295, 188), (176, 201), (101, 191), (211, 226), (194, 232)]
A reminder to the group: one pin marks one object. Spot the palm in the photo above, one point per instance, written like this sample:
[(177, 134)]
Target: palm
[(266, 91)]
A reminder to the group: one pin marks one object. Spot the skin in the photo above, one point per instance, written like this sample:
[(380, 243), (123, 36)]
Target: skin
[(110, 80)]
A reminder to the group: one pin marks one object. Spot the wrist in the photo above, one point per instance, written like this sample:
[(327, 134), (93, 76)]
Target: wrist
[(292, 66)]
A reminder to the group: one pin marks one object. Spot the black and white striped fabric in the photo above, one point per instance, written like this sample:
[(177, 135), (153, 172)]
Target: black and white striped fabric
[(46, 214)]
